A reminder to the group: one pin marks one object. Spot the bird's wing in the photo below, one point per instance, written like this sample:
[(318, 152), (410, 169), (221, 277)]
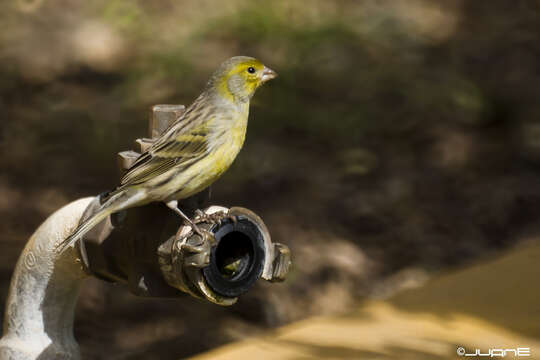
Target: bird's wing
[(183, 143)]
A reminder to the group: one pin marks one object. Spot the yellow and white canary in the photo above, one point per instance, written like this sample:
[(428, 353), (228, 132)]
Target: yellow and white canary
[(195, 150)]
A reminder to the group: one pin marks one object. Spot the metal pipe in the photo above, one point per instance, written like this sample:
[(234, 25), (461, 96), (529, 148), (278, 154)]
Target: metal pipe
[(39, 313), (147, 248)]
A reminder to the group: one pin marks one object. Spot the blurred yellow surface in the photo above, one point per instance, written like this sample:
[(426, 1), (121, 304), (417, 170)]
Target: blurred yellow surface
[(493, 305)]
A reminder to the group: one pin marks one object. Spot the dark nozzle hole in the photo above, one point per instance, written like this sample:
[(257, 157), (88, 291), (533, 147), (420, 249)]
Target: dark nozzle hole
[(237, 261), (234, 255)]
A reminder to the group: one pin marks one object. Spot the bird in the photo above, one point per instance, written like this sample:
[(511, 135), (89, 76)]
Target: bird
[(194, 151)]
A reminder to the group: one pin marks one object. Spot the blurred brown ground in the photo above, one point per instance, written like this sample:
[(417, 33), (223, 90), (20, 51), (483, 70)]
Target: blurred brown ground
[(401, 139), (493, 305)]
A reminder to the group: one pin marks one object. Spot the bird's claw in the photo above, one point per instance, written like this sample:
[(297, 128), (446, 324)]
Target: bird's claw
[(197, 250), (215, 218)]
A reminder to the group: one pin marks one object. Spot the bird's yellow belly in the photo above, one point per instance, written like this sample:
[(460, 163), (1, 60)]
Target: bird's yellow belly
[(207, 170)]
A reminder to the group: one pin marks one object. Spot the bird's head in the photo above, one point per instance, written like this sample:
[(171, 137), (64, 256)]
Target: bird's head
[(237, 78)]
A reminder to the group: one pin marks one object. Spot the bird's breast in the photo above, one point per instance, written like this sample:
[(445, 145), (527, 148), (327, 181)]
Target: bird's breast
[(228, 146), (225, 141), (226, 136)]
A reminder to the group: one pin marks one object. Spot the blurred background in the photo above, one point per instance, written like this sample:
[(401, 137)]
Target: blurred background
[(401, 140)]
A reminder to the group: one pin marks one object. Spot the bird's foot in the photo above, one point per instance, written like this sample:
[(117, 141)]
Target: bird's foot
[(215, 218), (197, 249)]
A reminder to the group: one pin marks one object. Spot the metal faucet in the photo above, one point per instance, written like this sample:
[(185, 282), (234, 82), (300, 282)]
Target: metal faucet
[(147, 248)]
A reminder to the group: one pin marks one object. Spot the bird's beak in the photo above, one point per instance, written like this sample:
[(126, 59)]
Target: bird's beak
[(267, 74)]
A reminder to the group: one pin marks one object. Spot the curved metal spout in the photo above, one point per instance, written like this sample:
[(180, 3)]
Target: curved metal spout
[(43, 292)]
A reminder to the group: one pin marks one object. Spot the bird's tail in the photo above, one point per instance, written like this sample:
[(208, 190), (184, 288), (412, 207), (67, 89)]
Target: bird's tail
[(115, 203)]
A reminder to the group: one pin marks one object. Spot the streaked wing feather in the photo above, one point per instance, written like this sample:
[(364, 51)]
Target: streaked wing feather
[(151, 168), (182, 144)]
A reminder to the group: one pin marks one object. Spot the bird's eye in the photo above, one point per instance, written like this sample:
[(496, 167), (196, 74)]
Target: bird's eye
[(251, 70)]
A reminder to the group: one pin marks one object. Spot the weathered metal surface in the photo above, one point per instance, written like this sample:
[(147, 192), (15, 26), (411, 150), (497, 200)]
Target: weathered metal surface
[(126, 159), (38, 321), (281, 263), (161, 117), (142, 144)]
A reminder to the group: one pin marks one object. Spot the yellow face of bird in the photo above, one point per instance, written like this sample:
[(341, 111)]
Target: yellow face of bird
[(239, 77)]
